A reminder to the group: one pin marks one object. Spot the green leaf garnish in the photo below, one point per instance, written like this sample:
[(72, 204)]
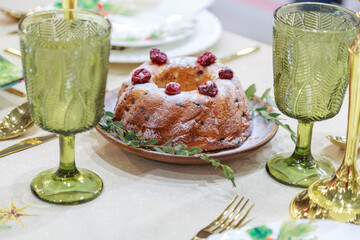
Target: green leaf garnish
[(168, 150), (168, 142), (194, 150), (130, 138), (110, 114), (151, 142), (180, 147), (250, 91), (265, 94), (250, 94), (158, 149)]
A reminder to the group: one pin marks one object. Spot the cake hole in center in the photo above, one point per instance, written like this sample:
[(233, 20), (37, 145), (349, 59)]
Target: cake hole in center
[(188, 78)]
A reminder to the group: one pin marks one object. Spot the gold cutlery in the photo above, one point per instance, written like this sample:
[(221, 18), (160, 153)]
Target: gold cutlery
[(13, 51), (339, 141), (13, 13), (230, 218), (239, 53), (17, 14), (27, 143), (16, 122), (15, 92)]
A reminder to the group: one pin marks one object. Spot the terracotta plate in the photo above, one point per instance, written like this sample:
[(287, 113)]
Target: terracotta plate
[(261, 134)]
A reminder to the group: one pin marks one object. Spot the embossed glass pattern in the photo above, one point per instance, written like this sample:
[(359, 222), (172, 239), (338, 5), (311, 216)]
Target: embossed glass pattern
[(310, 67), (65, 61)]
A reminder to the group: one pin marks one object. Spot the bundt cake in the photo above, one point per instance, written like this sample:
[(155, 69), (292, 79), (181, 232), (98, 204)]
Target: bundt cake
[(195, 101)]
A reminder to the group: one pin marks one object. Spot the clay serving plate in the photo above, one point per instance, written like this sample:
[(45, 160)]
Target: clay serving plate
[(261, 134)]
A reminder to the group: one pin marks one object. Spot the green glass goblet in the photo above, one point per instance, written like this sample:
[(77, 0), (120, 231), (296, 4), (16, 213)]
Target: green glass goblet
[(310, 67), (65, 64)]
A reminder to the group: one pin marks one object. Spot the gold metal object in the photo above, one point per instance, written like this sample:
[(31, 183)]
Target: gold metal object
[(239, 53), (230, 218), (17, 14), (338, 198), (13, 13), (69, 4), (27, 143), (13, 51), (339, 141), (15, 92), (16, 122)]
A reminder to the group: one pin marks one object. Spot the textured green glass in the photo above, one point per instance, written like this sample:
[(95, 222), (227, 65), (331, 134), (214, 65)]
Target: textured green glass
[(338, 198), (65, 63), (310, 67)]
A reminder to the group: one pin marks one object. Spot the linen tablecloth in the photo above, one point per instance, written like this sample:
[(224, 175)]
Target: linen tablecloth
[(144, 199)]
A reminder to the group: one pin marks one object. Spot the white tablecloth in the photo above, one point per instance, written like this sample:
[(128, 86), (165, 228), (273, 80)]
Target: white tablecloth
[(144, 199)]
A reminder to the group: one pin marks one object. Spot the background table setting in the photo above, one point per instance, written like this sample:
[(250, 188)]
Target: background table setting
[(143, 198)]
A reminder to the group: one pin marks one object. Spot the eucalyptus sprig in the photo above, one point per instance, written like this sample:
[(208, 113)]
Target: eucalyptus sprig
[(137, 140), (263, 111)]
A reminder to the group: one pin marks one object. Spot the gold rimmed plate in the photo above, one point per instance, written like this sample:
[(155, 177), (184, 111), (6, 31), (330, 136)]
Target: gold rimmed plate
[(262, 133)]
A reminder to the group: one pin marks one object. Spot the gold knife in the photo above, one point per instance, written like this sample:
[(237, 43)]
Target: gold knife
[(237, 54), (27, 143)]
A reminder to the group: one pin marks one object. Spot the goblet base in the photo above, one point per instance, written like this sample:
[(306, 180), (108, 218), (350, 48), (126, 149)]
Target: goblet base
[(80, 186), (302, 206), (287, 170), (338, 194)]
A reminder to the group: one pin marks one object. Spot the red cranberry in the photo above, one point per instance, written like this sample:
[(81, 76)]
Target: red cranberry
[(226, 73), (206, 59), (140, 75), (209, 88), (173, 88), (157, 56)]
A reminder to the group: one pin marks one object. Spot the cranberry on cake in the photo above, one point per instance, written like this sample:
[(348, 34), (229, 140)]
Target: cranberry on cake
[(196, 101)]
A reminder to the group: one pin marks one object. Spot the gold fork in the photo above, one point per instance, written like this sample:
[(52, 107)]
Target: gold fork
[(230, 218)]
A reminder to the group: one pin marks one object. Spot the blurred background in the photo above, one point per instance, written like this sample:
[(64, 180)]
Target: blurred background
[(249, 18), (253, 18)]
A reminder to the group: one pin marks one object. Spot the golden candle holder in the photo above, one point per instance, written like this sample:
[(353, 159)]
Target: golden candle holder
[(338, 198)]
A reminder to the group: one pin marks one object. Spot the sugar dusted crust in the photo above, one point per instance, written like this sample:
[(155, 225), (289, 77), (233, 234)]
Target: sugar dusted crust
[(210, 123)]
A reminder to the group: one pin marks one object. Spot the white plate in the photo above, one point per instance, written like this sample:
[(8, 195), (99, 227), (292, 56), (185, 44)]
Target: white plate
[(309, 229), (143, 23), (207, 32)]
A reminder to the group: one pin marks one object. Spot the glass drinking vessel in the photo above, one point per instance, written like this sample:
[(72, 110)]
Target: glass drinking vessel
[(310, 67), (338, 198), (65, 64)]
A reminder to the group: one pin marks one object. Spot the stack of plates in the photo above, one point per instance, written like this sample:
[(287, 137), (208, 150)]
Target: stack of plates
[(176, 27)]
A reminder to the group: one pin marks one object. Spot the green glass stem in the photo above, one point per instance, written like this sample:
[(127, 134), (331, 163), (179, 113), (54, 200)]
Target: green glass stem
[(300, 169), (67, 166), (302, 153), (67, 185)]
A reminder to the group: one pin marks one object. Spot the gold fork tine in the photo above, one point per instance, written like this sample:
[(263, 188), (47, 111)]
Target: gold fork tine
[(215, 222), (232, 223), (240, 223), (232, 217), (228, 219)]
